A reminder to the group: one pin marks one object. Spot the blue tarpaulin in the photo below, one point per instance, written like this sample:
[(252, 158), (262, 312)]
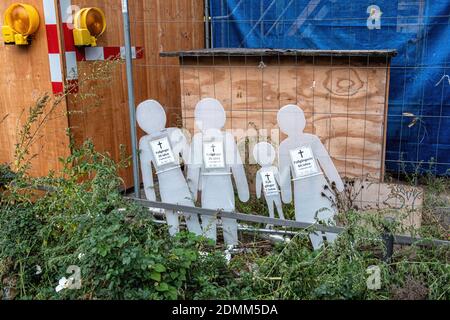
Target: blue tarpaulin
[(419, 110)]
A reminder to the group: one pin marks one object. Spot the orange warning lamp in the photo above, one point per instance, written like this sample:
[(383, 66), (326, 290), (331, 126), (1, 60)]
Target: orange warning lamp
[(21, 21), (90, 23)]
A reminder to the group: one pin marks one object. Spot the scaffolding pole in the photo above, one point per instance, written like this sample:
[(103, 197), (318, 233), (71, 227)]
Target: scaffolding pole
[(207, 25), (131, 101)]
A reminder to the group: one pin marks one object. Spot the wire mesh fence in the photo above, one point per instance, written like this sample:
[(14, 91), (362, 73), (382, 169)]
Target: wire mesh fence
[(418, 85), (372, 80)]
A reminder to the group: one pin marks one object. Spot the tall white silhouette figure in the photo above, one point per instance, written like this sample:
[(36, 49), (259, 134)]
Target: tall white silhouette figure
[(214, 160), (305, 162), (268, 178), (161, 148)]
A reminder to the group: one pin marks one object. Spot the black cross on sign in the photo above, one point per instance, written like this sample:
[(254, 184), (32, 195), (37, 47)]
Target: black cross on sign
[(301, 153), (160, 144), (213, 147), (268, 177)]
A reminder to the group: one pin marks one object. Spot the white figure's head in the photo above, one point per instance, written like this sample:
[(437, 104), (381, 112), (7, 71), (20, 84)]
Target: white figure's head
[(150, 116), (209, 114), (291, 120), (264, 154)]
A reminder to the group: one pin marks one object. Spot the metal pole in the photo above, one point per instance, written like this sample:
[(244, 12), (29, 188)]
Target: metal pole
[(388, 240), (131, 106), (257, 218), (207, 25)]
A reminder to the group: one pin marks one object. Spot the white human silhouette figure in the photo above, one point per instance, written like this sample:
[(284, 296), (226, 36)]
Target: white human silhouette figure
[(304, 159), (161, 148), (268, 178), (214, 160)]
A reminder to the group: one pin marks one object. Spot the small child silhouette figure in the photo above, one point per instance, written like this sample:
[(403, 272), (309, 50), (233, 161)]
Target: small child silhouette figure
[(268, 178)]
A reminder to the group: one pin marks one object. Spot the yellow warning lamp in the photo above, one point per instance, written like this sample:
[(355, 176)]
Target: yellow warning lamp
[(90, 23), (21, 21)]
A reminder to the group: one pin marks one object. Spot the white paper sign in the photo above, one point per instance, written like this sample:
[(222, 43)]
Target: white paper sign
[(269, 184), (303, 162), (213, 155), (162, 151)]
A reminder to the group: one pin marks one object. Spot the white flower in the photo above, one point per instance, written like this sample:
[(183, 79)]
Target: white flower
[(203, 254), (63, 284), (38, 270), (81, 256), (228, 253), (228, 256)]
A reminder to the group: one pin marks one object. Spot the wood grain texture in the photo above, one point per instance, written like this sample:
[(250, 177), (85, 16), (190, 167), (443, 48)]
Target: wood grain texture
[(344, 100), (156, 26), (25, 76), (104, 117), (396, 200)]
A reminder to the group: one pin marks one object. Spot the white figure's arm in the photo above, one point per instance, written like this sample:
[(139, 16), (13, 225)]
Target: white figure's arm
[(193, 180), (146, 168), (327, 165), (285, 177), (194, 166), (237, 168), (276, 173), (179, 142), (258, 184), (181, 147)]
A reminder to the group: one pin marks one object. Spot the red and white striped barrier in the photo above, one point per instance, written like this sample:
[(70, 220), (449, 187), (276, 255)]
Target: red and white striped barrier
[(72, 54), (107, 53), (70, 51), (54, 52)]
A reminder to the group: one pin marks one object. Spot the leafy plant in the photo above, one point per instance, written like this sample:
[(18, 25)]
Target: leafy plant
[(85, 221), (78, 218)]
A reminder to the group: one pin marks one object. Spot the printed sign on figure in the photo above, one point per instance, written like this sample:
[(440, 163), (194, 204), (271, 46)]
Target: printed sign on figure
[(303, 162), (162, 151), (213, 155), (269, 184)]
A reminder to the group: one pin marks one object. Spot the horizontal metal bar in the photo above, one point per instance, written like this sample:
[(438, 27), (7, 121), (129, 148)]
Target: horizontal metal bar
[(244, 228), (159, 213), (238, 216), (248, 229), (407, 240), (277, 52), (398, 239)]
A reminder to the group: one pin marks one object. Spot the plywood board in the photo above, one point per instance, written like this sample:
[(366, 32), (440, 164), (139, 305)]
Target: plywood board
[(344, 100), (156, 26), (399, 201)]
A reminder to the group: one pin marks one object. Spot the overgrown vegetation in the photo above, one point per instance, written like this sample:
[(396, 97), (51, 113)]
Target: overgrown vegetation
[(80, 221), (122, 254)]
